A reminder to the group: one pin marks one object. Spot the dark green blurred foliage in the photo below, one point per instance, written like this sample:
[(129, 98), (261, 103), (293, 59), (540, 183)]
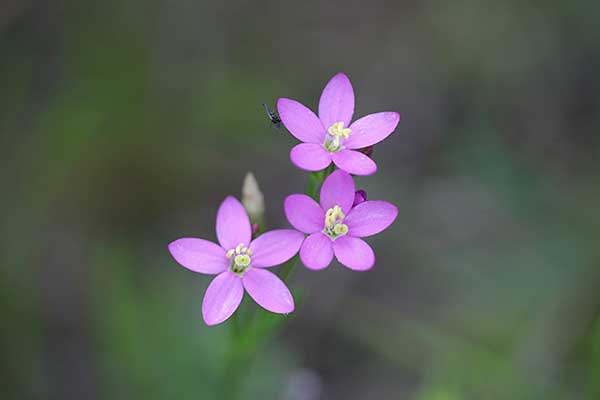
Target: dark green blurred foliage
[(124, 124)]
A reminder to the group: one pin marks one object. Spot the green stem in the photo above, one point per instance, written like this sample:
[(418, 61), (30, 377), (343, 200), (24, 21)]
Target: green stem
[(315, 180), (236, 325), (286, 269)]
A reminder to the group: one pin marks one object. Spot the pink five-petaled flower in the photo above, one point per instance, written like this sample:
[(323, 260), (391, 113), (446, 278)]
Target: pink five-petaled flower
[(239, 263), (334, 226), (331, 137)]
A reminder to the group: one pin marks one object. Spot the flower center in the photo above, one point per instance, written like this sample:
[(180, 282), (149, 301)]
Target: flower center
[(336, 132), (240, 258), (334, 227)]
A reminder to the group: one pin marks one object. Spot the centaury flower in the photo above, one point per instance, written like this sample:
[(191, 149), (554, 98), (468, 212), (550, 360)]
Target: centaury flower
[(239, 263), (335, 226), (330, 136)]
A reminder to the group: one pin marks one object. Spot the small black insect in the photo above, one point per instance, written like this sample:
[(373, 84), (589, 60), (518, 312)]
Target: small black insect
[(273, 116)]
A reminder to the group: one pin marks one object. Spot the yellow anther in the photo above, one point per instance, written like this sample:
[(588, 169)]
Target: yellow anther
[(333, 222), (338, 130), (329, 221), (329, 217), (241, 258), (239, 247), (333, 216)]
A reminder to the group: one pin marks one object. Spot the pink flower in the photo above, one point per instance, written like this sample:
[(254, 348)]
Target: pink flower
[(335, 227), (240, 263), (331, 137)]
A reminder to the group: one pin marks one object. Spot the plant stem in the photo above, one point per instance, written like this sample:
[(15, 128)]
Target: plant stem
[(247, 334), (286, 269)]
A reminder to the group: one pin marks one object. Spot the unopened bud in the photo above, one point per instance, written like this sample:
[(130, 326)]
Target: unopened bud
[(368, 151), (360, 196), (253, 199)]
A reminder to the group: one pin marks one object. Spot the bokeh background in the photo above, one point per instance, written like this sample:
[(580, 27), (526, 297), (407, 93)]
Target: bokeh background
[(123, 124)]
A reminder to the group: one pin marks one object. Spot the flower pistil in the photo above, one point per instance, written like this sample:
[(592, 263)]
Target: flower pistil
[(240, 258), (333, 222)]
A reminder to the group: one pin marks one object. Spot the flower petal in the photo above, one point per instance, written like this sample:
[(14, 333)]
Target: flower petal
[(354, 253), (222, 298), (337, 101), (300, 121), (370, 217), (304, 213), (268, 290), (371, 129), (338, 189), (310, 156), (233, 224), (199, 255), (275, 247), (354, 162), (316, 251)]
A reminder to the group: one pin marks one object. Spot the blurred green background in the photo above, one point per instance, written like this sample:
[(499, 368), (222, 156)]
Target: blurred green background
[(123, 124)]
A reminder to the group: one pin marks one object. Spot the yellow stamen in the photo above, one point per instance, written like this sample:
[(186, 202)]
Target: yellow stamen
[(333, 222), (241, 258), (333, 215), (338, 130), (239, 247)]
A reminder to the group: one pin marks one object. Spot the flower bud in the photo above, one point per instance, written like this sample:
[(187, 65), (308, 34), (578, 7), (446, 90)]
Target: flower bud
[(253, 199), (367, 151), (360, 196)]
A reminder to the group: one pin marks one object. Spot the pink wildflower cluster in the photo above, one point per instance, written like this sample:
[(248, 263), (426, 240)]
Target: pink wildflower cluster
[(334, 226)]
